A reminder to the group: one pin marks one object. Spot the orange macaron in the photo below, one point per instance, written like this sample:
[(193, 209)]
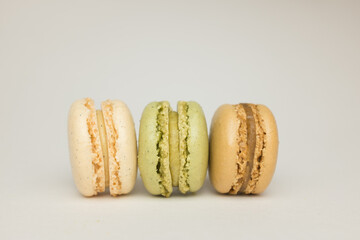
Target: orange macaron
[(243, 148)]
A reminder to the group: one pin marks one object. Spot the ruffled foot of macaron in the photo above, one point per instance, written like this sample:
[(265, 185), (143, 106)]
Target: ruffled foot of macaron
[(173, 148), (102, 147), (243, 148)]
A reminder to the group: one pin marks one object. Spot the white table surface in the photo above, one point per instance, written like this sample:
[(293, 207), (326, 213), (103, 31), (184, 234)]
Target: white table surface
[(301, 59)]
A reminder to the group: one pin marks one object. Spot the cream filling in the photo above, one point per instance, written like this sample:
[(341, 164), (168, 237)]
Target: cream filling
[(242, 160), (163, 149), (251, 147), (174, 148), (258, 152), (97, 161), (104, 146), (112, 136), (173, 154), (183, 124), (251, 143)]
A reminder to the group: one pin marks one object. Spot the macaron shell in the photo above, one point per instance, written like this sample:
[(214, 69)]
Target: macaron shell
[(270, 151), (223, 148), (198, 146), (126, 148), (148, 153), (80, 146)]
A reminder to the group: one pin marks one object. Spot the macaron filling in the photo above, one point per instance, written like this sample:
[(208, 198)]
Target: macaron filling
[(162, 168), (173, 153), (97, 161), (258, 152), (251, 142), (172, 134), (104, 146), (250, 149), (112, 136), (183, 123), (242, 159), (174, 148)]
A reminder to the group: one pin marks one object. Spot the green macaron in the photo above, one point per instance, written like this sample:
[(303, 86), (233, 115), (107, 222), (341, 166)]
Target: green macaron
[(173, 147)]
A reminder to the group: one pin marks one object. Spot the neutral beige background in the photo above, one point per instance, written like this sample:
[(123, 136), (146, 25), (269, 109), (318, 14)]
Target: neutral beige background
[(300, 58)]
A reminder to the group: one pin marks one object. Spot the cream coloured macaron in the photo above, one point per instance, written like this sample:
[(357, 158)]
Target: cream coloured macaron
[(102, 147), (243, 148)]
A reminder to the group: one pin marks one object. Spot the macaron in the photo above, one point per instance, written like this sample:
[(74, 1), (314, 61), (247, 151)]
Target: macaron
[(243, 148), (173, 147), (102, 147)]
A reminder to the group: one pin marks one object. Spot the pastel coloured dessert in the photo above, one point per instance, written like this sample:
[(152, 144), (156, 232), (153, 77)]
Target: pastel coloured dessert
[(173, 148), (243, 148), (102, 147)]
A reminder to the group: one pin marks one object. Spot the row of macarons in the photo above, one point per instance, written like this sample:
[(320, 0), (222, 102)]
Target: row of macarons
[(174, 148)]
